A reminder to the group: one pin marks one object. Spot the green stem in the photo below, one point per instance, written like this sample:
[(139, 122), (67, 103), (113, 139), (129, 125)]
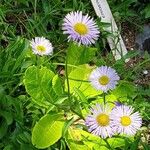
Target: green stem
[(67, 79), (35, 5), (108, 145), (104, 98), (38, 61)]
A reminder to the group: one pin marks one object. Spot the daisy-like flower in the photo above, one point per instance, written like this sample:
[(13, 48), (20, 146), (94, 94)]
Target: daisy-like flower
[(80, 28), (104, 78), (98, 122), (41, 46), (124, 120)]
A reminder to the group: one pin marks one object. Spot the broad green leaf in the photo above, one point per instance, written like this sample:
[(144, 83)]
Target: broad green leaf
[(91, 141), (77, 145), (116, 142), (57, 85), (75, 139), (38, 84), (47, 131), (79, 78), (78, 55), (111, 98), (124, 89)]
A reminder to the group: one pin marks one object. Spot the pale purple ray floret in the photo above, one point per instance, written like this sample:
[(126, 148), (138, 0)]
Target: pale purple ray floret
[(80, 28)]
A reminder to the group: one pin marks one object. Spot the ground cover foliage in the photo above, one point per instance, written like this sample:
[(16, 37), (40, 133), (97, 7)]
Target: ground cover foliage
[(44, 100)]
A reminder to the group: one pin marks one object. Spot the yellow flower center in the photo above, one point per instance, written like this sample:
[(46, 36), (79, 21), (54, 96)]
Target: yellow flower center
[(81, 28), (125, 121), (41, 48), (103, 80), (102, 119)]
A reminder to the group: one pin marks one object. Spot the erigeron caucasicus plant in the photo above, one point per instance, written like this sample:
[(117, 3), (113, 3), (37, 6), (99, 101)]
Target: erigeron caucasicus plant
[(65, 101)]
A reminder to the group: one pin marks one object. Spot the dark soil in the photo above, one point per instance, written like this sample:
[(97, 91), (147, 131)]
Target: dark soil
[(128, 32)]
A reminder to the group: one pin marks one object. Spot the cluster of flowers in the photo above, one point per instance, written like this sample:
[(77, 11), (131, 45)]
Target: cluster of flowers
[(79, 28), (104, 121)]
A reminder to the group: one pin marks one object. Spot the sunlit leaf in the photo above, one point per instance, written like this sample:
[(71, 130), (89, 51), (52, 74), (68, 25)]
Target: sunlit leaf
[(81, 137), (38, 84), (78, 55), (79, 78), (47, 131), (57, 85)]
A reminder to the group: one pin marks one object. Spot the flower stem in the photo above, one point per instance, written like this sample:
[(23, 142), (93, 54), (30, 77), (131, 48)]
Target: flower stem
[(104, 98), (38, 62), (108, 145), (67, 79)]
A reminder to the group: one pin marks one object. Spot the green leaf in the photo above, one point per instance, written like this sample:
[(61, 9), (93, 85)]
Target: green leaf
[(74, 140), (67, 124), (111, 98), (78, 55), (7, 115), (81, 137), (57, 85), (77, 145), (8, 147), (47, 131), (124, 89), (3, 129), (116, 142), (38, 84), (78, 139), (79, 78), (80, 95)]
